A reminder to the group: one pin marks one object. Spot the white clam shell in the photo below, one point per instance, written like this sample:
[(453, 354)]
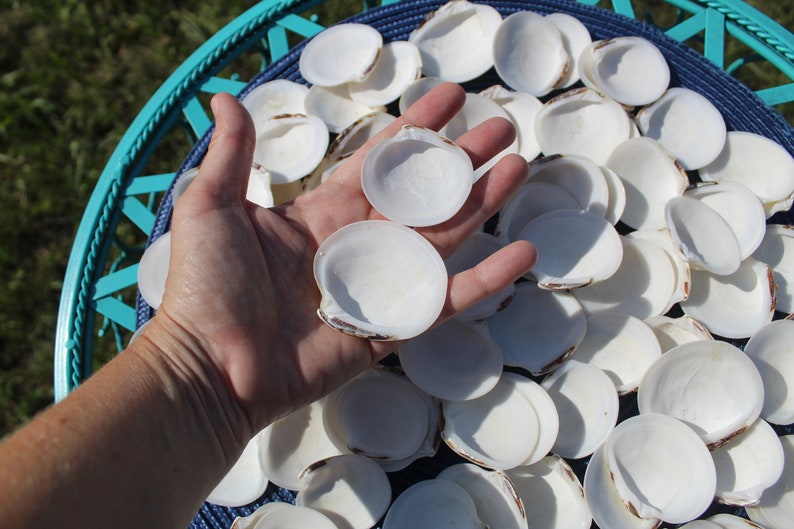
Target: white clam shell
[(455, 40), (642, 286), (539, 329), (549, 420), (731, 521), (529, 54), (352, 491), (356, 135), (617, 195), (334, 106), (259, 190), (432, 504), (651, 177), (274, 98), (777, 251), (630, 70), (495, 497), (416, 90), (592, 249), (552, 477), (578, 175), (398, 65), (687, 124), (712, 386), (575, 37), (153, 270), (671, 332), (622, 346), (290, 146), (740, 208), (662, 239), (475, 428), (522, 109), (747, 465), (532, 200), (477, 247), (356, 420), (703, 236), (587, 405), (735, 305), (340, 54), (245, 481), (380, 280), (582, 121), (759, 163), (278, 515), (454, 361), (660, 468), (606, 506), (417, 177), (293, 443), (770, 351), (776, 506)]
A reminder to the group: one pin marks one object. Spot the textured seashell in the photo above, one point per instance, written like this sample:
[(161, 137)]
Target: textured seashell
[(340, 54), (456, 40), (712, 386), (687, 124), (587, 404), (379, 280), (417, 177)]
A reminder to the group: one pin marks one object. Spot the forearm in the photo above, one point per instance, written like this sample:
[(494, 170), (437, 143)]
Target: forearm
[(122, 450)]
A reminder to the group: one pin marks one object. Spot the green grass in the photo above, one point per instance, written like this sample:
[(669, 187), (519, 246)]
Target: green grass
[(73, 75)]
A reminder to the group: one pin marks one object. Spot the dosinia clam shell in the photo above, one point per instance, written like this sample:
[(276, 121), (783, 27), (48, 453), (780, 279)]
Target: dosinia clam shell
[(379, 280), (245, 481), (431, 504), (712, 386), (340, 54), (770, 351)]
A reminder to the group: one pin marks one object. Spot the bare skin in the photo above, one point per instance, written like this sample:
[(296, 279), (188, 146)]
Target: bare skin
[(236, 343)]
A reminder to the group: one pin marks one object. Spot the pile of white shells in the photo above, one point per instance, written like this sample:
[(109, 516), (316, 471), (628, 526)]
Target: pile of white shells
[(650, 221)]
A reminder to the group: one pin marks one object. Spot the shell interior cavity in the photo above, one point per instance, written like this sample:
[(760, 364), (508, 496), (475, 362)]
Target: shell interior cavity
[(579, 176), (712, 386), (776, 506), (334, 106), (278, 515), (341, 54), (532, 200), (575, 248), (379, 280), (351, 490), (417, 178), (522, 109), (575, 38), (455, 41), (275, 98), (769, 350), (245, 481), (398, 65), (431, 504), (495, 497), (290, 146)]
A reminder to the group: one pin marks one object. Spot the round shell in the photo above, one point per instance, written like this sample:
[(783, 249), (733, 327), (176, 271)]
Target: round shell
[(277, 515), (335, 108), (630, 70), (539, 329), (711, 386), (587, 404), (769, 349), (776, 506), (432, 504), (274, 98), (398, 66), (579, 176), (352, 491), (582, 121), (340, 54), (661, 469), (245, 481), (529, 54), (532, 200), (662, 239), (290, 146), (592, 251), (455, 40), (522, 108), (687, 124), (454, 361), (379, 280), (777, 251), (575, 37), (736, 305), (417, 177)]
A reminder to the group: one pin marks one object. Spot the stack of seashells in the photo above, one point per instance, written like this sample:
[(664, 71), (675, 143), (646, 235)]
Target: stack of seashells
[(650, 220)]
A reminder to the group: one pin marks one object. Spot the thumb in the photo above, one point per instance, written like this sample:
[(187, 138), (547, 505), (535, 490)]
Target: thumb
[(223, 175)]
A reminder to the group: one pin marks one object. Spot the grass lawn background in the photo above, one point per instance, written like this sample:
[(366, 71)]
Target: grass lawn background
[(73, 75)]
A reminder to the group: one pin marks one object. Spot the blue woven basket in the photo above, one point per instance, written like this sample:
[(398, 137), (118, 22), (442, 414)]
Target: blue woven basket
[(740, 107)]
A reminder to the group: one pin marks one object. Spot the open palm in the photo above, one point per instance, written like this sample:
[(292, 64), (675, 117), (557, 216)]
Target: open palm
[(241, 290)]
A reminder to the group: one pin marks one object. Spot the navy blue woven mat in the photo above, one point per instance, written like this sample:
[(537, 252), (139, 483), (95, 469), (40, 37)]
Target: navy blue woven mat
[(741, 109)]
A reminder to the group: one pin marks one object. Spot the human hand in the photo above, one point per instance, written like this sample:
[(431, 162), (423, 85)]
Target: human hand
[(241, 292)]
